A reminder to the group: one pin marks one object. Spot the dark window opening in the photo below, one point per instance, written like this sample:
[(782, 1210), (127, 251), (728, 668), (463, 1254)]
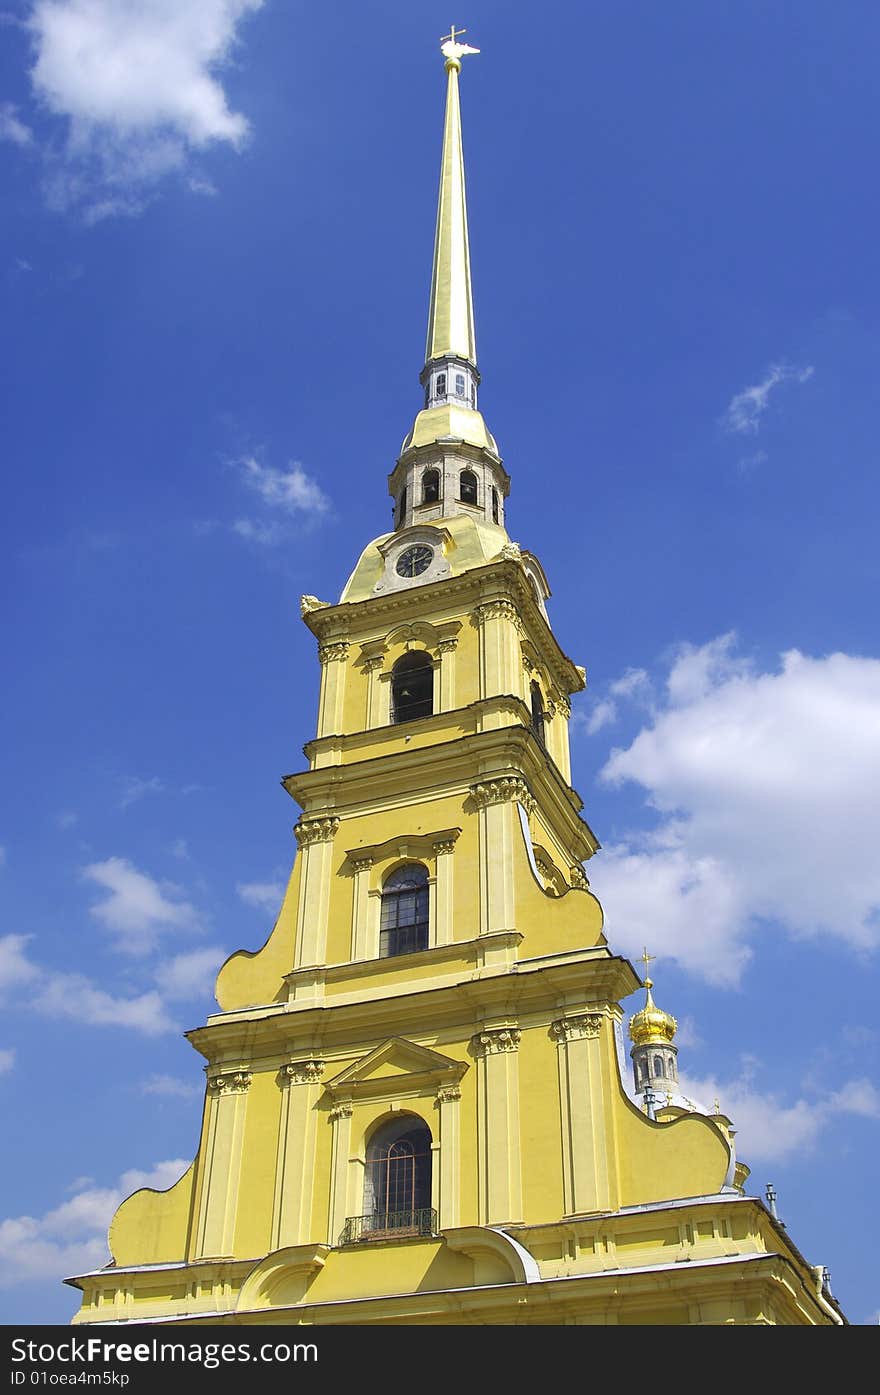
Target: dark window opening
[(538, 714), (441, 384), (494, 504), (467, 487), (402, 509), (412, 687), (658, 1066), (430, 486), (403, 927), (397, 1183)]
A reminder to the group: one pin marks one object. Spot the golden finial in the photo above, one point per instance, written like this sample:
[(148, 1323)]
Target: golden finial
[(652, 1024), (716, 1106)]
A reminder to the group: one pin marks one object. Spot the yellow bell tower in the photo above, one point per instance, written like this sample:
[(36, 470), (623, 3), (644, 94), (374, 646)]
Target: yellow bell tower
[(417, 1103)]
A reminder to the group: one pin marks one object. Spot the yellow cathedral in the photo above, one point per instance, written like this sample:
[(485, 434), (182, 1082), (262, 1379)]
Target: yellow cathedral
[(418, 1106)]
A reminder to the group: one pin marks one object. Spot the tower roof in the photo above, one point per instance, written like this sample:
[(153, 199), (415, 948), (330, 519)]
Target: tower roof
[(451, 310), (652, 1026)]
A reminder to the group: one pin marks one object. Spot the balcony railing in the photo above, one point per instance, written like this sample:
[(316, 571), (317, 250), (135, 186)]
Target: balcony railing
[(390, 1225)]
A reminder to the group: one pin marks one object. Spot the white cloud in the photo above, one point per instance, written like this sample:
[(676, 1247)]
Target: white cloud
[(267, 895), (76, 997), (292, 491), (137, 909), (72, 1238), (634, 686), (745, 409), (134, 789), (771, 1130), (263, 534), (749, 771), (136, 82), (15, 967), (190, 975), (12, 128), (170, 1085), (7, 1061)]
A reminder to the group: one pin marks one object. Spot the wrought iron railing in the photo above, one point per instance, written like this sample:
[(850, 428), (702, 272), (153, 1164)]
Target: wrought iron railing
[(390, 1225)]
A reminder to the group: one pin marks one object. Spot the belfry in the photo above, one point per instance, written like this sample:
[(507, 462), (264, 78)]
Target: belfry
[(418, 1107)]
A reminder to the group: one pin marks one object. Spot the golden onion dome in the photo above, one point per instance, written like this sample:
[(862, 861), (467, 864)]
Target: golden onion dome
[(652, 1026)]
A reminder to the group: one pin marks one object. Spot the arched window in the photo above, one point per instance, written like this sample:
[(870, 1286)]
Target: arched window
[(403, 927), (441, 384), (412, 687), (658, 1066), (494, 504), (402, 510), (430, 486), (459, 385), (397, 1181), (538, 714), (467, 487)]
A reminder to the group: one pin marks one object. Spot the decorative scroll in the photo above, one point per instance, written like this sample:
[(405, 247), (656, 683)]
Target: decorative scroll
[(337, 650), (303, 1072), (506, 789), (230, 1082)]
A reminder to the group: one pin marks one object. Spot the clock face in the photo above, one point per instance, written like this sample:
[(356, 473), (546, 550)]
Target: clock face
[(415, 560)]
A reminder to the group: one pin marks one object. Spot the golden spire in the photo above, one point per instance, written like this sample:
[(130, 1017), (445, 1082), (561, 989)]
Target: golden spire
[(451, 312)]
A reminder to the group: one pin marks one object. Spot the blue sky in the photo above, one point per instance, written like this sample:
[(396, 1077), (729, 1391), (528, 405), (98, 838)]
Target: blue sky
[(214, 259)]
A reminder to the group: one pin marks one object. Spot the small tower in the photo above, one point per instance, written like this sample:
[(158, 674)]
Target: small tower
[(654, 1052)]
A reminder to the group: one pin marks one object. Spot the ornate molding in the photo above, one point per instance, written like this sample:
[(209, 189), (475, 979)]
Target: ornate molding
[(309, 603), (582, 1026), (229, 1082), (361, 864), (447, 646), (496, 1040), (338, 649), (302, 1072), (445, 845), (578, 877), (340, 1111), (504, 790), (511, 552), (559, 707), (310, 831), (374, 664), (447, 1094), (497, 610)]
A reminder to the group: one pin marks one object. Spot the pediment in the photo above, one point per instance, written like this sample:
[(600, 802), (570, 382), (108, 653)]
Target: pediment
[(396, 1064)]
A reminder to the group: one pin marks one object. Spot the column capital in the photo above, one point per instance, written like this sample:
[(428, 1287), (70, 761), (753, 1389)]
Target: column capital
[(447, 1094), (497, 610), (341, 1111), (337, 649), (229, 1082), (503, 790), (495, 1040), (578, 1027), (302, 1072), (309, 831)]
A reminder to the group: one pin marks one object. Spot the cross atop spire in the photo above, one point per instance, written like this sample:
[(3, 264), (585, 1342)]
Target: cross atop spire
[(647, 959)]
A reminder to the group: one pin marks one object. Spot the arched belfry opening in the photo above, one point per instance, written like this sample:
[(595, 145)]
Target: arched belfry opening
[(412, 687), (397, 1180)]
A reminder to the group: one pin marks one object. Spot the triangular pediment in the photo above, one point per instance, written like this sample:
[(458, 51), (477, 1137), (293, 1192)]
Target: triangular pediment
[(397, 1062)]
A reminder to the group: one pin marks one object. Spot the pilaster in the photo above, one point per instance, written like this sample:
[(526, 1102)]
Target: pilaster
[(334, 661), (295, 1167), (499, 1166), (448, 1103), (315, 838), (218, 1200), (588, 1177), (498, 823), (499, 625), (360, 938), (442, 900), (340, 1122)]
